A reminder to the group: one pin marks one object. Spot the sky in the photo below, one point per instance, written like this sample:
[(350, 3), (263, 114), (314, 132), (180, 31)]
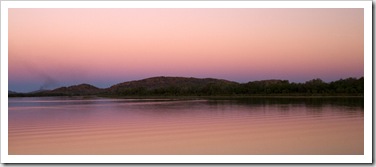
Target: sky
[(50, 48)]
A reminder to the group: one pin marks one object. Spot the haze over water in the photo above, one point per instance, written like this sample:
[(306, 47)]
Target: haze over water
[(76, 125)]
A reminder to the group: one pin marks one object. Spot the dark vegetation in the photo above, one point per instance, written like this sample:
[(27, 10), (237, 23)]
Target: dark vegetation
[(180, 86)]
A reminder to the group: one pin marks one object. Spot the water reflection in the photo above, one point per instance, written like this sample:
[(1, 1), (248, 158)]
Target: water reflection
[(64, 125), (307, 101)]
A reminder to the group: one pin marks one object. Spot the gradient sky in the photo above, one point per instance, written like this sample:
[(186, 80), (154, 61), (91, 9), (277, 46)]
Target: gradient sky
[(49, 48)]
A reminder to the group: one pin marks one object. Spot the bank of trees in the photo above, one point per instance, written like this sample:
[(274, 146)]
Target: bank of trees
[(349, 86), (179, 86)]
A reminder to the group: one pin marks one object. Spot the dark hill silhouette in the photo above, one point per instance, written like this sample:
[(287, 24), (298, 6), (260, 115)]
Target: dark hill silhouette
[(166, 85), (82, 89), (75, 90), (11, 92), (39, 91), (160, 82), (182, 86)]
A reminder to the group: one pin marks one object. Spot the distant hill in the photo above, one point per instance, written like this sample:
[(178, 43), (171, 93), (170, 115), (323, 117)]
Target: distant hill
[(182, 86), (39, 91), (167, 85), (82, 89), (269, 82), (75, 90), (11, 92)]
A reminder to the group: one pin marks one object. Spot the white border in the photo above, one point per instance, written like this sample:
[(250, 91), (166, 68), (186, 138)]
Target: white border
[(366, 158), (185, 4)]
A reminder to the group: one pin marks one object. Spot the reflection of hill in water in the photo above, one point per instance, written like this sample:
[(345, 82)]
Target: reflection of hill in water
[(351, 102)]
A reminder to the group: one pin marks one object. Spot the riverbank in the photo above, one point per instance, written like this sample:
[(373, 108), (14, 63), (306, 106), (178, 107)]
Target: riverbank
[(231, 97)]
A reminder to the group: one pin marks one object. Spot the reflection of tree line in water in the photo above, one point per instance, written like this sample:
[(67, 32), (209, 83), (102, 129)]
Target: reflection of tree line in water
[(318, 102)]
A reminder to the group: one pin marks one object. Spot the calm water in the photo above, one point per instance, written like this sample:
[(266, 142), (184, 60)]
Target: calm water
[(76, 125)]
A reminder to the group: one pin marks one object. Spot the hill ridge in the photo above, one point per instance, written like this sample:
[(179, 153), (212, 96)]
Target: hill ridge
[(190, 86)]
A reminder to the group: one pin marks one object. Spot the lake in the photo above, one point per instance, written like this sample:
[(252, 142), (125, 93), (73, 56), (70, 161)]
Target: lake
[(233, 126)]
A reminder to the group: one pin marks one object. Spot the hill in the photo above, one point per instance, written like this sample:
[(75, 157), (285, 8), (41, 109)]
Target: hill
[(169, 86), (182, 86), (82, 89), (39, 91), (11, 92), (75, 90)]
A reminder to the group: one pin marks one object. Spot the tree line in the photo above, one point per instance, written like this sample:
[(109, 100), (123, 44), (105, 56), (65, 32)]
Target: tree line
[(348, 87), (214, 87)]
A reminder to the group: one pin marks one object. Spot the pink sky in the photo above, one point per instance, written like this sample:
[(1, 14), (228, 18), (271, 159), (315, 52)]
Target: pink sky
[(61, 47)]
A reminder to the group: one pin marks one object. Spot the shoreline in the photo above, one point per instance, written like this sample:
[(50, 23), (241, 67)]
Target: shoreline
[(228, 97), (206, 97)]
